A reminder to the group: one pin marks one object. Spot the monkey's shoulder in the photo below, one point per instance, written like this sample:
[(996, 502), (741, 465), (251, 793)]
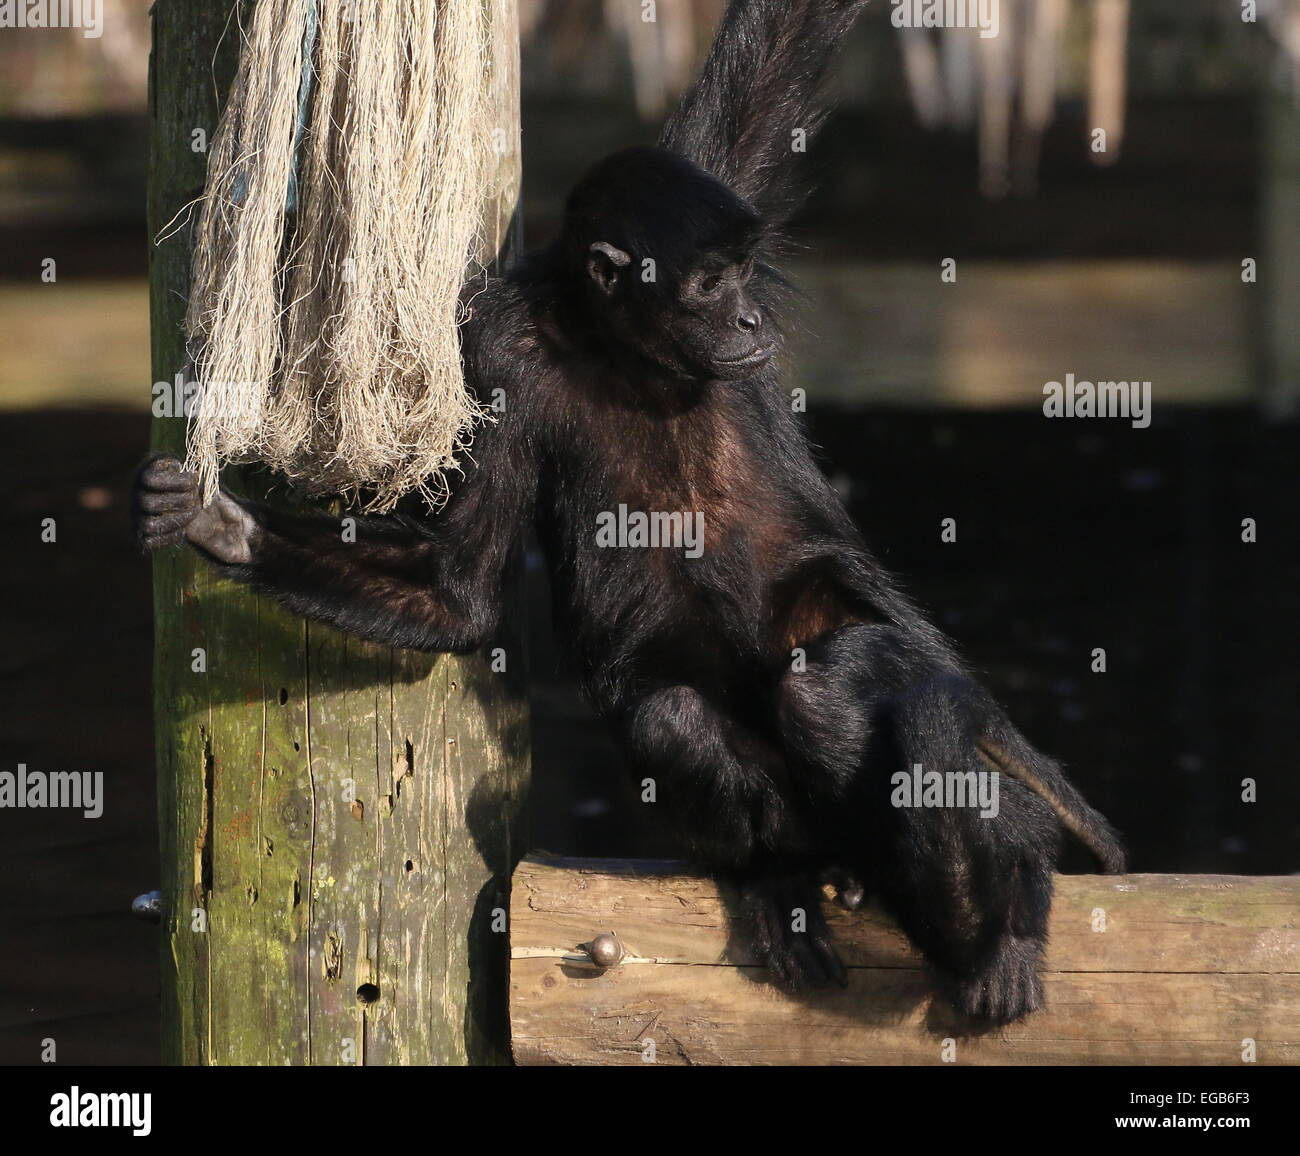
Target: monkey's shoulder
[(498, 339)]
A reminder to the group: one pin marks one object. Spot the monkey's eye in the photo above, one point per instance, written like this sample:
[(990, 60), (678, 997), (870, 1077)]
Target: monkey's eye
[(710, 284)]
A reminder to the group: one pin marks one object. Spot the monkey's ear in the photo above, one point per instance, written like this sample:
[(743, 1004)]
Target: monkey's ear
[(603, 263)]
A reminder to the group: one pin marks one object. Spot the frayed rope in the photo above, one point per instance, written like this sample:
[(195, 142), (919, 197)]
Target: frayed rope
[(345, 185)]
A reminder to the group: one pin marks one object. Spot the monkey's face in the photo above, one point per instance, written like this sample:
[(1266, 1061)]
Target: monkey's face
[(718, 329), (704, 325)]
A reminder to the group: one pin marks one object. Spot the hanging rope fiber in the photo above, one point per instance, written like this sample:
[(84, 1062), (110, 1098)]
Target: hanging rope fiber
[(342, 205)]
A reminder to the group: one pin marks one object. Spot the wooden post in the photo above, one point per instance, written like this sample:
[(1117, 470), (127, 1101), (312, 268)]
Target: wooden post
[(338, 819), (1141, 969)]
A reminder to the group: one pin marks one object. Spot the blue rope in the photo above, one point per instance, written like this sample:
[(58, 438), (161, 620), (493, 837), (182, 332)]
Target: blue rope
[(304, 99), (240, 190)]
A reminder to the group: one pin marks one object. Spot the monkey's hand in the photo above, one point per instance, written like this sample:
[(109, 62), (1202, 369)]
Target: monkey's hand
[(167, 508)]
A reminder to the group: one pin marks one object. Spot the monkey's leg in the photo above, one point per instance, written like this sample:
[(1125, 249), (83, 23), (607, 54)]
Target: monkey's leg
[(828, 704), (972, 891), (969, 881), (724, 789), (827, 707)]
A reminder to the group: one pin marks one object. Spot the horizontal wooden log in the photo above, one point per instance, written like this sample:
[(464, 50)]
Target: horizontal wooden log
[(1141, 969)]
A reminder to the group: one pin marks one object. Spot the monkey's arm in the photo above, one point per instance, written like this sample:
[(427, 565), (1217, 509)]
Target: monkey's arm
[(426, 584), (758, 90)]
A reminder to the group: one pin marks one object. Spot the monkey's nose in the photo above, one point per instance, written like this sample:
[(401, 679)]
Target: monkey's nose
[(749, 319)]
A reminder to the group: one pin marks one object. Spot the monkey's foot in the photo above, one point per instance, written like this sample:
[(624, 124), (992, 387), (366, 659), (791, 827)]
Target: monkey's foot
[(1007, 988), (783, 918)]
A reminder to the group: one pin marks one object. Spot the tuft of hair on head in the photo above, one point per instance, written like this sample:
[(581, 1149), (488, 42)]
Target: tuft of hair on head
[(761, 83)]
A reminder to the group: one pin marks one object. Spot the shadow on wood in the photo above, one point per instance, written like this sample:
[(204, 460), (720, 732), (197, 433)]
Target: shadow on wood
[(1141, 969)]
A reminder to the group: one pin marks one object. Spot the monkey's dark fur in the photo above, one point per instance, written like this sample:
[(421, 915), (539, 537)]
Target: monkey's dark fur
[(660, 395)]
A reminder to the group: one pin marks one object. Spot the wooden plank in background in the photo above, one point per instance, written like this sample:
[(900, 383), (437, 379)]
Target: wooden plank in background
[(896, 334)]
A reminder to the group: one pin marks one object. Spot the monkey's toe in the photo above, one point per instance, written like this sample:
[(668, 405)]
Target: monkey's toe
[(1007, 989), (801, 961), (789, 935)]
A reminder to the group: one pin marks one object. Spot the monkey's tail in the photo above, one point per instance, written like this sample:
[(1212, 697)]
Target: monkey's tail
[(1075, 815)]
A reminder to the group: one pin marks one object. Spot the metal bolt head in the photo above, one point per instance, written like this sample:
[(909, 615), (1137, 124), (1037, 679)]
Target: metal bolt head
[(148, 906), (605, 950)]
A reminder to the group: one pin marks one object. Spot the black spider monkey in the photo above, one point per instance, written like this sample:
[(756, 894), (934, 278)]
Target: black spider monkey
[(771, 685)]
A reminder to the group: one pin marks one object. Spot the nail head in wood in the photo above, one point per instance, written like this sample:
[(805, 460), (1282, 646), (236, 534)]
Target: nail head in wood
[(605, 950)]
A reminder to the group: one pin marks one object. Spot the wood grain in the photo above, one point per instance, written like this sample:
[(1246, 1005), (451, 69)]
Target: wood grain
[(1141, 969)]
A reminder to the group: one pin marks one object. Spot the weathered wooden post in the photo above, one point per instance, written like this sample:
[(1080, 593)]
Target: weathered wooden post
[(338, 819)]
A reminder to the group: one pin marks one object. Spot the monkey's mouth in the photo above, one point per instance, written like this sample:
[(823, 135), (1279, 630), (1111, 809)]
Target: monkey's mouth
[(753, 357)]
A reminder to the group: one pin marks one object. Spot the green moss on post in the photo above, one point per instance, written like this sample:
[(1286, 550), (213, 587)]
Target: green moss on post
[(338, 819)]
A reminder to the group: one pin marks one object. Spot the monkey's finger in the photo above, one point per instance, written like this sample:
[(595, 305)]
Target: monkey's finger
[(786, 973), (821, 961), (156, 541), (168, 501), (158, 526), (167, 473), (775, 952), (818, 967), (832, 965)]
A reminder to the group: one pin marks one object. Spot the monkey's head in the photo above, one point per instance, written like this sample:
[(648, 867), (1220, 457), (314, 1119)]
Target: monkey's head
[(665, 254)]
